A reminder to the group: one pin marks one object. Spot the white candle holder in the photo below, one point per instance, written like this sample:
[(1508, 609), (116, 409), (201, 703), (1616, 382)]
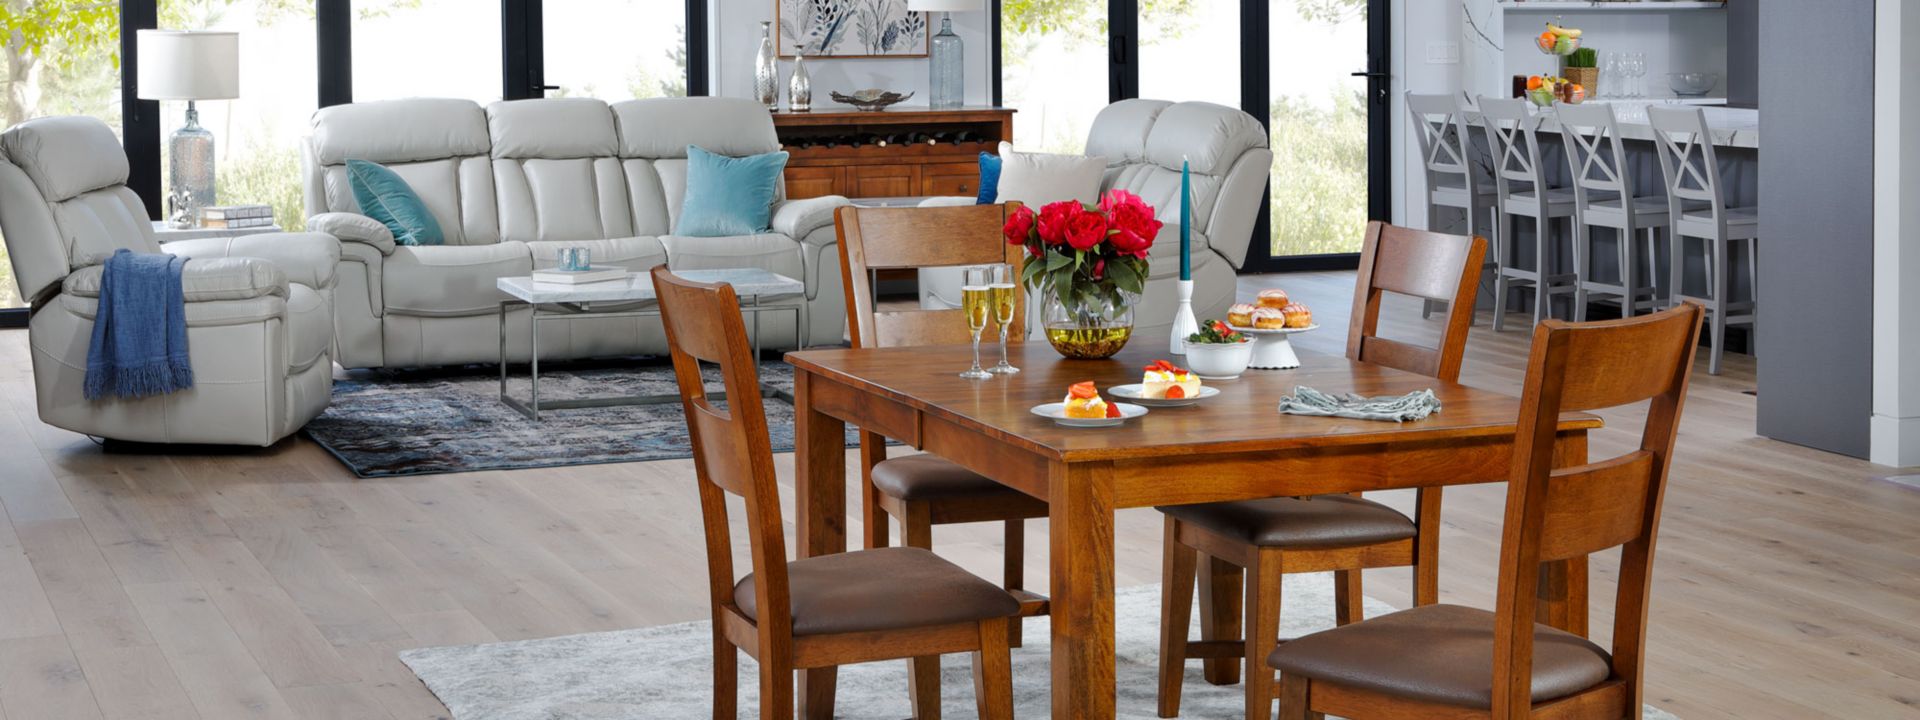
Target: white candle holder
[(1183, 322)]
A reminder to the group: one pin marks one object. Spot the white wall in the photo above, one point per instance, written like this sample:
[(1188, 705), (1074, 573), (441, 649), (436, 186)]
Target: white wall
[(1895, 425), (736, 37), (1420, 26)]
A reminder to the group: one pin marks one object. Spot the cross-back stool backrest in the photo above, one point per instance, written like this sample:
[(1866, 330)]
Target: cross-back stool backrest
[(732, 453), (1591, 135), (1427, 265), (1446, 149), (1511, 127), (914, 238), (1560, 514), (1687, 160)]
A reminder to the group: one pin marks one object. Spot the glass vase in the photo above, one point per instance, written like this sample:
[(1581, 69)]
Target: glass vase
[(766, 70), (945, 59), (1093, 326), (800, 87)]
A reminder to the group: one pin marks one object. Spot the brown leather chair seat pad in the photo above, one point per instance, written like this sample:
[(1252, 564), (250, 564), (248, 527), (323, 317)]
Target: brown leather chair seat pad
[(882, 589), (1320, 521), (1440, 654), (931, 477)]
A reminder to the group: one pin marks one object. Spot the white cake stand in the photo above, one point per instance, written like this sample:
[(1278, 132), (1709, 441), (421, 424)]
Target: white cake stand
[(1271, 350)]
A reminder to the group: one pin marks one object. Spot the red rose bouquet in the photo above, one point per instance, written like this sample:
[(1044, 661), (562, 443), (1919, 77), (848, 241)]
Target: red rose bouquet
[(1086, 256)]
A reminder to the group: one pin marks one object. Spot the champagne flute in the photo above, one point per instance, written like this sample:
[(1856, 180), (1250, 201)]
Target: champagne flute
[(1000, 290), (977, 303)]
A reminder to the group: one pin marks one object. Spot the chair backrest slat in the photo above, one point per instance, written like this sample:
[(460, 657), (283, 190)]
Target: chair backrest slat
[(1445, 147), (1591, 135), (1422, 264), (1511, 127), (915, 238), (1687, 160), (1563, 513), (732, 452)]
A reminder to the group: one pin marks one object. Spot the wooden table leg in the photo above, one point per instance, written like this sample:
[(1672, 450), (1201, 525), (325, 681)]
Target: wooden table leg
[(1080, 533), (820, 507), (1563, 584)]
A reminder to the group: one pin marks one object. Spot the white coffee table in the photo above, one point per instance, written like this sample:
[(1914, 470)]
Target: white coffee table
[(618, 298)]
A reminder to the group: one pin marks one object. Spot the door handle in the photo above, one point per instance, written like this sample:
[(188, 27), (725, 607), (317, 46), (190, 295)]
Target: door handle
[(1367, 74), (542, 89)]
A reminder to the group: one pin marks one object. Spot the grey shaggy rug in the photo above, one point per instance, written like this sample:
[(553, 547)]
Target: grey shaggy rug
[(421, 422), (667, 671)]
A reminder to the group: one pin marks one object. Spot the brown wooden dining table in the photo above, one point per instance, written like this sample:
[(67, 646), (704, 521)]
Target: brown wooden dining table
[(1233, 446)]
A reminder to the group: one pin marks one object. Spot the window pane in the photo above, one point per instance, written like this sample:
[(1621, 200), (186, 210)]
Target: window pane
[(72, 70), (1319, 126), (615, 49), (426, 48), (1054, 71), (1190, 50), (256, 136)]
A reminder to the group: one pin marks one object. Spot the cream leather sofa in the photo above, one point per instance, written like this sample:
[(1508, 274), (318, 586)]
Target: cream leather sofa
[(1144, 142), (514, 183), (259, 316)]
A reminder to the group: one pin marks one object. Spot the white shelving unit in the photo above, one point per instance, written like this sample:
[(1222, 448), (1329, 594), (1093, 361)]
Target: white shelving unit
[(1562, 6)]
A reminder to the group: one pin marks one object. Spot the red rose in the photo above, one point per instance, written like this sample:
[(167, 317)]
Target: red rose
[(1085, 230), (1019, 227), (1053, 220), (1133, 222), (1099, 268)]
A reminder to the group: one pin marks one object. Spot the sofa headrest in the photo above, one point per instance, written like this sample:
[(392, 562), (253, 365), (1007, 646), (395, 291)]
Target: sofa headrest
[(66, 156), (664, 127), (1119, 132), (551, 128), (1208, 136), (398, 131)]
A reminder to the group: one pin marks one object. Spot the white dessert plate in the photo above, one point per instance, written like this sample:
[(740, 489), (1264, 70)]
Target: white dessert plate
[(1275, 331), (1057, 413), (1132, 392)]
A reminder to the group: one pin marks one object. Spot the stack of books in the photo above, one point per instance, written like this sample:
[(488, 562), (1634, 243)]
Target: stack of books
[(236, 216)]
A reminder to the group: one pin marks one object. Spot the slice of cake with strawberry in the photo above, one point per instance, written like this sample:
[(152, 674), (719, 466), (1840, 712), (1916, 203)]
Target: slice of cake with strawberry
[(1084, 402), (1164, 380)]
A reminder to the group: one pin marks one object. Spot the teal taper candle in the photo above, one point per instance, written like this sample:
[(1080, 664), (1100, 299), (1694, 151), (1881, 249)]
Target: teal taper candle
[(1186, 221)]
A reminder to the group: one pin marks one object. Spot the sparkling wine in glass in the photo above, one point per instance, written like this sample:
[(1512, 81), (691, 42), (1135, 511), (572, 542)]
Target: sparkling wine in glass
[(1000, 291), (976, 301)]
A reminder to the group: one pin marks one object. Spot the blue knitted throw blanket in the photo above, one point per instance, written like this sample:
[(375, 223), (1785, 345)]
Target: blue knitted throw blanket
[(140, 331)]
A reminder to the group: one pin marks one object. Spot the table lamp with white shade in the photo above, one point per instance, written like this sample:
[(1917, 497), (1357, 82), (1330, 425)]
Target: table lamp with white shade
[(945, 58), (189, 65)]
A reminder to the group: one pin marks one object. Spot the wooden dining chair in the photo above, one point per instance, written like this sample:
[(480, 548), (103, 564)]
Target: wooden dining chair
[(817, 612), (924, 490), (1265, 539), (1448, 662)]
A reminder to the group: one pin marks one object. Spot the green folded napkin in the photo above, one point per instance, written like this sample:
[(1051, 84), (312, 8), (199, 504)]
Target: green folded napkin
[(1398, 408)]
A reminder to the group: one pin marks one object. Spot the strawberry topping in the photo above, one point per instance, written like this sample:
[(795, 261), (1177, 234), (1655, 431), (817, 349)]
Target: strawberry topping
[(1083, 390), (1113, 410), (1175, 392)]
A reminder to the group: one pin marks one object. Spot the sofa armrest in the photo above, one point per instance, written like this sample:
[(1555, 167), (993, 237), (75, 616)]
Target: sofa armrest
[(206, 280), (354, 227), (798, 219), (308, 258)]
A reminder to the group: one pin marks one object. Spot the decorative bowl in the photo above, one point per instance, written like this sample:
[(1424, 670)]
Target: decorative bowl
[(1219, 361), (871, 99), (1692, 84)]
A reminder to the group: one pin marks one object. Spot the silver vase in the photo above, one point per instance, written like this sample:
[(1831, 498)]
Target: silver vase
[(800, 87), (766, 71)]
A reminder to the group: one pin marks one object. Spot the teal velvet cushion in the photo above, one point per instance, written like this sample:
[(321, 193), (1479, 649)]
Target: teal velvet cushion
[(385, 197), (729, 195)]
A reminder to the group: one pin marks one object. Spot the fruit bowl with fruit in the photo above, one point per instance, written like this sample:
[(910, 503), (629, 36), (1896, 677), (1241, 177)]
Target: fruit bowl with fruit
[(1545, 90), (1557, 40)]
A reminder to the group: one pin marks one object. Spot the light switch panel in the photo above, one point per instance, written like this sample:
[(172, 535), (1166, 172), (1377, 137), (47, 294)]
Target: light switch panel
[(1443, 53)]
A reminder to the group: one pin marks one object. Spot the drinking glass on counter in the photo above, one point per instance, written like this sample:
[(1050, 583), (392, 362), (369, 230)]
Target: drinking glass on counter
[(1000, 291), (976, 300)]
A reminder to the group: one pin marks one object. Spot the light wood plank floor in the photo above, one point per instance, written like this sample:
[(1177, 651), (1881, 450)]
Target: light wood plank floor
[(273, 584)]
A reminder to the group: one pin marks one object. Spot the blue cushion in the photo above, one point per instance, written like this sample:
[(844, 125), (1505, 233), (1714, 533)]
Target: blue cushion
[(989, 179), (729, 195), (384, 196)]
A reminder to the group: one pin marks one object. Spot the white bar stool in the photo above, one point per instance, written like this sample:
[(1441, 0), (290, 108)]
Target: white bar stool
[(1520, 182), (1699, 210), (1591, 135), (1453, 179)]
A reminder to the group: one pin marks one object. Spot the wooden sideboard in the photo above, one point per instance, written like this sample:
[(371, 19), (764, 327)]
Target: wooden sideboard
[(898, 152)]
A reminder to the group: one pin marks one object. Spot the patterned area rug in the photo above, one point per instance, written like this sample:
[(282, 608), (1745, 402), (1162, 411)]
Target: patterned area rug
[(666, 671), (421, 422)]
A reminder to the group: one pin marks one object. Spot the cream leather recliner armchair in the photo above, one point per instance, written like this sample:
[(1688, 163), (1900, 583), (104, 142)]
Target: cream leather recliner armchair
[(259, 308)]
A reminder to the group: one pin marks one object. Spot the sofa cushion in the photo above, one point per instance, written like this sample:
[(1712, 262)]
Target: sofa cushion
[(663, 127), (1037, 179), (1208, 136), (385, 197), (208, 280), (450, 280), (638, 254), (66, 156), (1120, 131), (768, 251), (553, 128), (399, 131), (729, 195), (562, 199)]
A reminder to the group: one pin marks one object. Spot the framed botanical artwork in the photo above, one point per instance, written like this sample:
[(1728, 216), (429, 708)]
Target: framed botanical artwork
[(849, 29)]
